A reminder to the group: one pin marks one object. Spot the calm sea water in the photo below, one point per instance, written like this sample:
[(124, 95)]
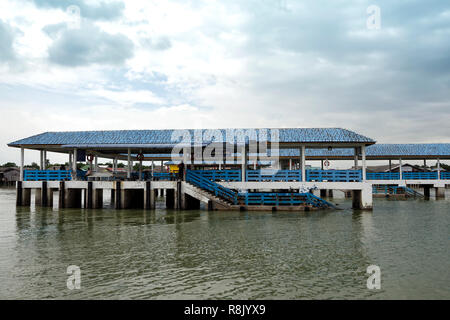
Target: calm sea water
[(163, 254)]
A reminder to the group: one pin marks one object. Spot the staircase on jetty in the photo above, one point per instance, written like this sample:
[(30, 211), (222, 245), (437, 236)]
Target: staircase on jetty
[(388, 190), (202, 188)]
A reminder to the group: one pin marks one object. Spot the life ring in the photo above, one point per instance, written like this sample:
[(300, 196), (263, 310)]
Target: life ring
[(90, 157), (140, 157)]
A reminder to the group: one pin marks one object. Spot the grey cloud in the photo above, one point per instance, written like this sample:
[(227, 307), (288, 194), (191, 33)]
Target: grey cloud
[(104, 10), (7, 35), (88, 45)]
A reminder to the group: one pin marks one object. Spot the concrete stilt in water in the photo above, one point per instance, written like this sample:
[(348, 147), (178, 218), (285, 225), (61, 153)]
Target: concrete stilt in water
[(149, 196), (38, 197), (19, 193), (440, 192), (113, 196), (362, 199), (118, 191), (61, 195), (426, 192), (26, 197)]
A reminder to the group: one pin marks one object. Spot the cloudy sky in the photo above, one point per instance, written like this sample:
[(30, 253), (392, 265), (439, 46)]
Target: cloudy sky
[(93, 65)]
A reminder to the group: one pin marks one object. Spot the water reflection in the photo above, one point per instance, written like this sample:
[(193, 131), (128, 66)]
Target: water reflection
[(233, 255)]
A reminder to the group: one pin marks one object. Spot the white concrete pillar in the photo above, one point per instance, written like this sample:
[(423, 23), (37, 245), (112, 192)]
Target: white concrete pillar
[(22, 162), (220, 166), (356, 158), (74, 163), (114, 165), (129, 164), (290, 164), (438, 164), (390, 165), (70, 160), (303, 162), (400, 169), (45, 160), (41, 164), (244, 162), (153, 167), (96, 164), (363, 159), (162, 165), (140, 167)]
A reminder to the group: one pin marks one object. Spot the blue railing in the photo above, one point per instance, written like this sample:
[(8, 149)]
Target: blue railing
[(220, 175), (274, 175), (283, 199), (445, 175), (219, 191), (420, 175), (46, 175), (333, 175), (382, 175)]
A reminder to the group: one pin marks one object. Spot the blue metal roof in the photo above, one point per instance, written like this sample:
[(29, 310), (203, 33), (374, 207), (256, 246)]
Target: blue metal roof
[(378, 150), (171, 137)]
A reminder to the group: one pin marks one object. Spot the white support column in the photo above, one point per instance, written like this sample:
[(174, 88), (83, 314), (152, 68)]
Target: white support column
[(162, 165), (438, 164), (96, 164), (400, 169), (129, 164), (363, 159), (70, 160), (114, 165), (244, 162), (22, 162), (41, 164), (74, 162), (153, 167), (290, 164), (390, 165), (356, 158), (45, 160), (220, 166), (303, 162), (140, 167)]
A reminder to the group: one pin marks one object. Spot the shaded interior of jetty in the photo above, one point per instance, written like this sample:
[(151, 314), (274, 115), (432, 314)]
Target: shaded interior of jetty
[(225, 169)]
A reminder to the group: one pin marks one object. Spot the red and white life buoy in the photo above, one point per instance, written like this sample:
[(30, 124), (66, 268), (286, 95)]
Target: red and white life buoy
[(140, 157)]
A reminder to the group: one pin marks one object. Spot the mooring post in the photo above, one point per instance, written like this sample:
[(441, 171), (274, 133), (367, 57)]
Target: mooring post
[(89, 195), (118, 195), (61, 195), (44, 199), (19, 193)]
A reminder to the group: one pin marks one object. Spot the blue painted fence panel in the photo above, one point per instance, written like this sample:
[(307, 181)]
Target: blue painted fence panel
[(420, 175), (46, 175), (382, 176), (333, 175), (220, 175), (274, 175), (445, 175)]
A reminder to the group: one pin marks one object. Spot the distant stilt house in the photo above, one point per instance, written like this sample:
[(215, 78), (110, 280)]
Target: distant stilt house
[(9, 176)]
